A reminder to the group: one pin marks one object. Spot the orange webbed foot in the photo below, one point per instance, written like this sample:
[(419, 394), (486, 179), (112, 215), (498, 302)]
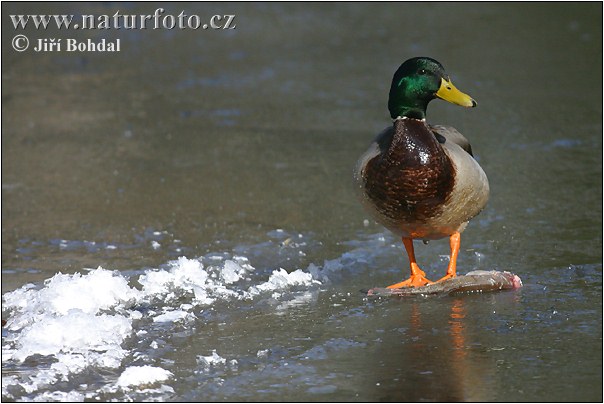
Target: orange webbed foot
[(417, 279), (412, 282)]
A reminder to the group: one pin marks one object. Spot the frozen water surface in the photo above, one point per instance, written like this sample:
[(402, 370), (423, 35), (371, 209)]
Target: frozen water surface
[(101, 321), (216, 327)]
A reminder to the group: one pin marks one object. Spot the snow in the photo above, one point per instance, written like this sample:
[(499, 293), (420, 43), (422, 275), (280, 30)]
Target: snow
[(77, 332), (142, 375), (190, 277), (98, 290), (83, 320), (184, 276), (281, 279)]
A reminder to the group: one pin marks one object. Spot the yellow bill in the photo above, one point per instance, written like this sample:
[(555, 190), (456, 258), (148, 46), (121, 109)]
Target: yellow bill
[(449, 92)]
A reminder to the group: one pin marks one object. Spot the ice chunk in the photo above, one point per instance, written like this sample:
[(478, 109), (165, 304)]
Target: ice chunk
[(141, 375), (76, 332), (81, 321), (185, 275), (211, 360), (231, 272), (172, 316), (281, 279), (98, 290)]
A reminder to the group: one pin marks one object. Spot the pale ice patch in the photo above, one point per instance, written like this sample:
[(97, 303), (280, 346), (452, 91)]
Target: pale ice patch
[(231, 272), (173, 315), (83, 320), (215, 360), (300, 299), (142, 375), (63, 320), (75, 333), (7, 382), (184, 276), (98, 290), (189, 276), (60, 396), (329, 267), (211, 360), (281, 279)]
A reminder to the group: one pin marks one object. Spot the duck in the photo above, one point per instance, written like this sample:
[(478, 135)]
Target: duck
[(421, 181)]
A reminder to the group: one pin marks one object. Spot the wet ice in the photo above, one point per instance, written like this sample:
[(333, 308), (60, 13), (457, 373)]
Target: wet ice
[(83, 320)]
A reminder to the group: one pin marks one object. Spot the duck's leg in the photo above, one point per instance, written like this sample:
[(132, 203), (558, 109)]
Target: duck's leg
[(418, 277), (454, 242)]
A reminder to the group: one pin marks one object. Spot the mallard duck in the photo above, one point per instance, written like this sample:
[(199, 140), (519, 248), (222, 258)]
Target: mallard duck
[(418, 180)]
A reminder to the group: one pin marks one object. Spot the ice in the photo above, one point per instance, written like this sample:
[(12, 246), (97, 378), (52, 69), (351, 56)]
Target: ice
[(211, 360), (69, 363), (77, 332), (184, 276), (300, 299), (73, 324), (61, 396), (99, 289), (172, 316), (231, 272), (190, 276), (64, 320), (281, 279), (142, 375), (329, 266)]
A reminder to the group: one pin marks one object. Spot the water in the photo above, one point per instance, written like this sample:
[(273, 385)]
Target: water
[(235, 149)]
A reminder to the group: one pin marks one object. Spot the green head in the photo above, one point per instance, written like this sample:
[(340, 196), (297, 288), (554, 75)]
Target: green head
[(417, 82)]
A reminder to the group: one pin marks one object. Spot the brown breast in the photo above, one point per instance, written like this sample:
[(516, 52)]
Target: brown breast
[(411, 178)]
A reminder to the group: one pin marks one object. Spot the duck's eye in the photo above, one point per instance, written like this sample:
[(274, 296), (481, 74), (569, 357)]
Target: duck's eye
[(422, 71)]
